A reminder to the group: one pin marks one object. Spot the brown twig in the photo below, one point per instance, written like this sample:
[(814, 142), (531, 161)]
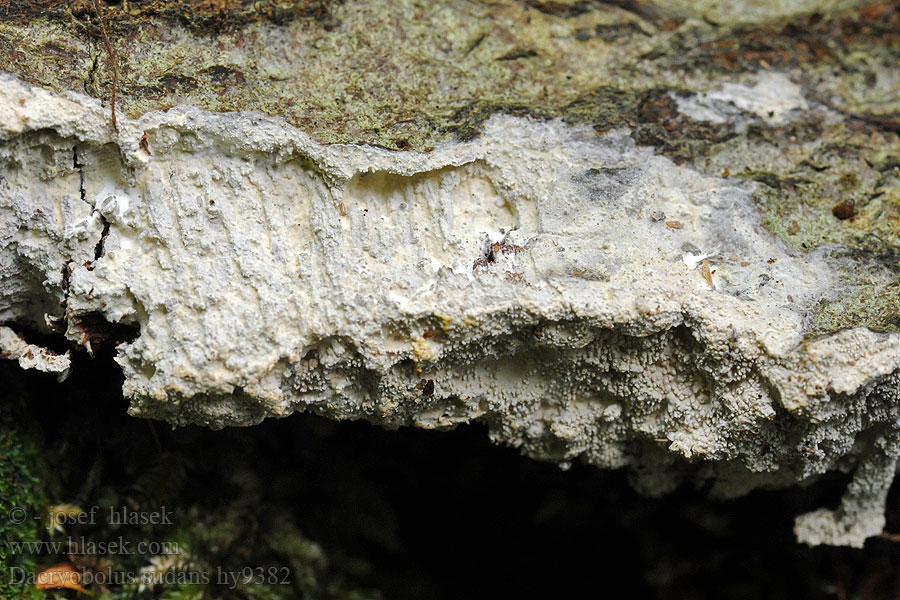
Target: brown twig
[(891, 537), (113, 59), (155, 437)]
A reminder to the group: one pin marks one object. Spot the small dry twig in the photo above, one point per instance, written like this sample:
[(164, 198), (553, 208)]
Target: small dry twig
[(113, 60), (707, 274)]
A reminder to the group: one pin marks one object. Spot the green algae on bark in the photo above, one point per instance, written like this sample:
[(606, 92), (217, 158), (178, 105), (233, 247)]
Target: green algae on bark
[(409, 75), (875, 307)]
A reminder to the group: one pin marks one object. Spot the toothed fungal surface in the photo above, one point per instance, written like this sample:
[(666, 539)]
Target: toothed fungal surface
[(585, 297)]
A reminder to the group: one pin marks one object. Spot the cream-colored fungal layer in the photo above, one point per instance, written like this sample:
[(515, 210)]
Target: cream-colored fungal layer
[(582, 296)]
